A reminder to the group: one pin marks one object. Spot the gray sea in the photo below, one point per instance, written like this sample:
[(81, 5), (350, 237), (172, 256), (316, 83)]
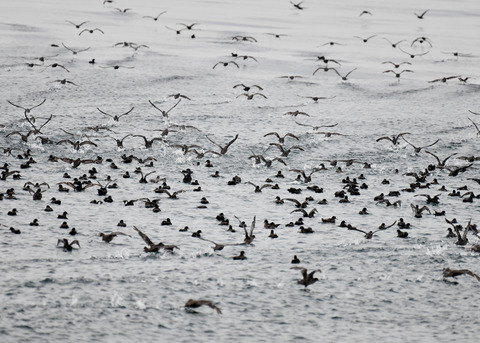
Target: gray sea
[(385, 288)]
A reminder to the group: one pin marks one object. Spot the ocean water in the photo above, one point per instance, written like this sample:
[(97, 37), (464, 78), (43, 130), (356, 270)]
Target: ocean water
[(384, 288)]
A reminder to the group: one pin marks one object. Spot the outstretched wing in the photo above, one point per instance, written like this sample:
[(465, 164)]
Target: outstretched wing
[(144, 236)]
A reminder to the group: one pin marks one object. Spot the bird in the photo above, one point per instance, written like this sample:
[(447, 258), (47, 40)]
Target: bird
[(75, 52), (315, 128), (394, 45), (444, 79), (306, 178), (316, 98), (344, 78), (417, 210), (91, 31), (296, 113), (281, 139), (364, 12), (412, 55), (149, 142), (258, 189), (151, 246), (297, 5), (308, 278), (251, 96), (55, 65), (395, 65), (447, 272), (290, 77), (76, 145), (165, 113), (76, 25), (418, 149), (249, 236), (124, 10), (156, 17), (421, 40), (276, 35), (247, 88), (397, 75), (176, 31), (178, 95), (223, 150), (67, 246), (420, 16), (23, 136), (108, 237), (326, 61), (65, 81), (369, 234), (117, 67), (226, 64), (394, 139), (241, 256), (188, 27), (365, 40), (116, 117), (27, 109), (191, 303), (218, 246), (76, 162), (430, 199), (454, 171), (172, 195), (119, 141), (286, 152)]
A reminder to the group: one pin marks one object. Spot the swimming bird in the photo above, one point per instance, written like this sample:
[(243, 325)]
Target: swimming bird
[(108, 237), (223, 150), (241, 256), (67, 246), (308, 278), (154, 247), (165, 113), (191, 303)]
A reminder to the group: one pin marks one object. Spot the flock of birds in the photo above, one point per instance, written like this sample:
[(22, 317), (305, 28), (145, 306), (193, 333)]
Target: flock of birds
[(21, 147)]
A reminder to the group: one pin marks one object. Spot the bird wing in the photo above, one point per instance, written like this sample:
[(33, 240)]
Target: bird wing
[(144, 237)]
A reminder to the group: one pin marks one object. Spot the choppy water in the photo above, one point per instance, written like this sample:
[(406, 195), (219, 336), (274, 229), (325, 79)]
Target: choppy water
[(383, 288)]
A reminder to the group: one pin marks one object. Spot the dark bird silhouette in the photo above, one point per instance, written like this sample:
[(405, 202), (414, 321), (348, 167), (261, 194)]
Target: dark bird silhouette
[(108, 237), (394, 45), (218, 246), (412, 55), (125, 10), (286, 152), (417, 210), (76, 162), (454, 171), (249, 236), (440, 163), (116, 117), (76, 145), (154, 247), (281, 139), (76, 25), (364, 12), (172, 195), (394, 139), (365, 40), (297, 5), (420, 16), (117, 67), (191, 303), (67, 246), (258, 189), (430, 199), (308, 278), (27, 109), (251, 96), (418, 149), (23, 136), (120, 141), (55, 65), (226, 64), (395, 65), (149, 142), (306, 178), (444, 79), (296, 113), (165, 113), (397, 75), (156, 17), (91, 31), (447, 272), (315, 128), (223, 150), (344, 78), (73, 51), (65, 81), (247, 88), (188, 27)]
